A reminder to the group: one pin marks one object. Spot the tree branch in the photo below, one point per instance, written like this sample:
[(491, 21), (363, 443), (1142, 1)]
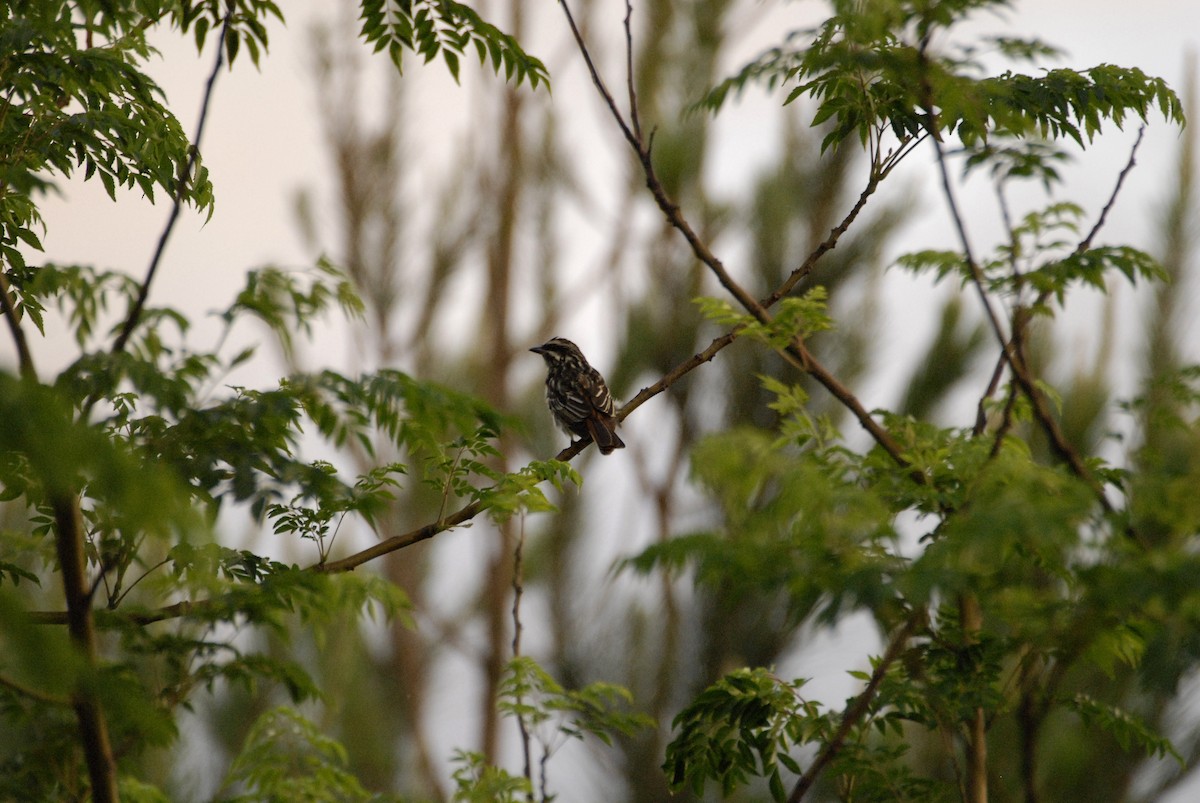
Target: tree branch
[(1020, 322), (857, 709), (8, 303), (32, 693), (181, 182), (796, 352), (1009, 351), (93, 729)]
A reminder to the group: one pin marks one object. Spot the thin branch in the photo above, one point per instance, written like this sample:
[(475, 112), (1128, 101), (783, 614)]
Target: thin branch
[(24, 355), (796, 352), (1086, 242), (518, 591), (1008, 350), (633, 102), (977, 277), (181, 182), (1080, 248), (473, 509), (114, 603), (825, 246), (857, 709), (634, 140)]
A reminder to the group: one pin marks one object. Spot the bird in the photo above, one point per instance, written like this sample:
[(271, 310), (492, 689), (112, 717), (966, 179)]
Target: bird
[(577, 396)]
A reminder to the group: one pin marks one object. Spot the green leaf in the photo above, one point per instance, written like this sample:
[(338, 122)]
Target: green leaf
[(430, 27), (1130, 732)]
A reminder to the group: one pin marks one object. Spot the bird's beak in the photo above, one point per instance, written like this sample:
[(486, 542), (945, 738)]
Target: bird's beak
[(538, 350)]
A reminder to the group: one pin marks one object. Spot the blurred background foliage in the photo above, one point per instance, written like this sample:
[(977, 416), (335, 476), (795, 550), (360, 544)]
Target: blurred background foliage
[(502, 215), (459, 277)]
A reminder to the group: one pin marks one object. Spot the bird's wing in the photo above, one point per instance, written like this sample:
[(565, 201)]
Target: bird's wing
[(597, 392)]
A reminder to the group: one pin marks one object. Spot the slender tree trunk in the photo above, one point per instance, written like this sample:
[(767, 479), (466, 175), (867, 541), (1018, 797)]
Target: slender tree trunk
[(93, 728), (971, 618), (1027, 721), (495, 334)]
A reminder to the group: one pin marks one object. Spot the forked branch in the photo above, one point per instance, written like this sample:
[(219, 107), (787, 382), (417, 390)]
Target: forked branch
[(796, 352)]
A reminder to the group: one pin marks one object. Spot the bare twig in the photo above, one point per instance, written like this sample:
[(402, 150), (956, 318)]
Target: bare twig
[(117, 601), (181, 182), (1086, 242), (518, 590), (825, 246), (1081, 247), (633, 103)]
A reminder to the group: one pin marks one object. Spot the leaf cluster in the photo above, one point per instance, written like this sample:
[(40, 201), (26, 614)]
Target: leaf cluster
[(286, 757), (1046, 256), (745, 725), (599, 709), (872, 69), (795, 317), (430, 28)]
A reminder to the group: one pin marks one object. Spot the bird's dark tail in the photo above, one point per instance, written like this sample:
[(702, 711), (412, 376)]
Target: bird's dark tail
[(604, 433)]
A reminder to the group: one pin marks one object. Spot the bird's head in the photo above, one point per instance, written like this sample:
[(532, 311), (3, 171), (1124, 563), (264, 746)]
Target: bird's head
[(556, 349)]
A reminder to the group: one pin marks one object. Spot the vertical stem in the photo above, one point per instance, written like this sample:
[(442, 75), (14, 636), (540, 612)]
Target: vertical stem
[(93, 729), (518, 588), (495, 335), (9, 307), (971, 620), (1027, 722)]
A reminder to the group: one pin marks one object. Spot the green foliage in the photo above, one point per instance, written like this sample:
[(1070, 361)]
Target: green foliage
[(246, 21), (1047, 254), (743, 726), (432, 27), (872, 68), (800, 526), (1009, 587), (1129, 731), (163, 454), (286, 757), (476, 781), (73, 105), (529, 693), (520, 492), (290, 303), (814, 528), (795, 317)]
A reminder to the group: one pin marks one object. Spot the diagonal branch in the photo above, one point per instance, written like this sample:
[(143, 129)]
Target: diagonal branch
[(473, 509), (858, 709), (1021, 317), (32, 693), (796, 352), (181, 182), (1009, 351)]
